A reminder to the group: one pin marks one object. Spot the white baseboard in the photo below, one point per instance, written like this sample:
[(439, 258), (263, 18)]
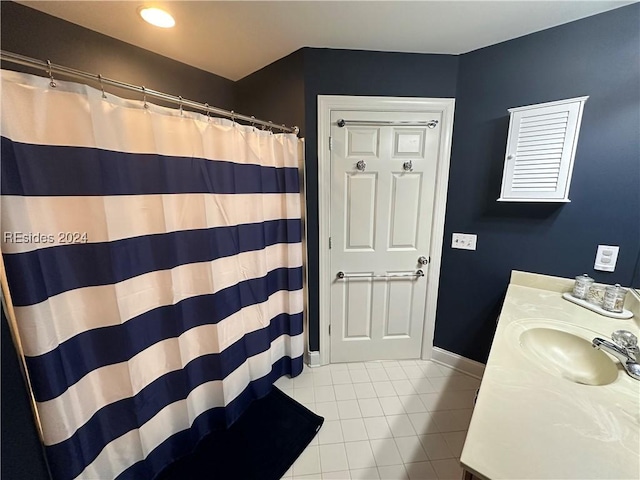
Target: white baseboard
[(314, 359), (457, 362)]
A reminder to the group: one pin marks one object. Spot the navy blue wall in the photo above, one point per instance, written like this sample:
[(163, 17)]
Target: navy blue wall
[(275, 92), (597, 56), (349, 72)]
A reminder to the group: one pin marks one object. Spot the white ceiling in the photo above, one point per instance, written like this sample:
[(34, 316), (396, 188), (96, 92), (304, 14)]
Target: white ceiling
[(236, 38)]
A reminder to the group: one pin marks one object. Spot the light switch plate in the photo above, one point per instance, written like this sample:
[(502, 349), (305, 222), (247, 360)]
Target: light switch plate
[(606, 258), (464, 241)]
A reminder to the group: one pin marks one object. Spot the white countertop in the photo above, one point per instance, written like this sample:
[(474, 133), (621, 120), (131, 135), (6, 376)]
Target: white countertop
[(531, 424)]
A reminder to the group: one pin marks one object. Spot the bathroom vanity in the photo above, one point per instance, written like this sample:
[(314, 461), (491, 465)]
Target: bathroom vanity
[(550, 405)]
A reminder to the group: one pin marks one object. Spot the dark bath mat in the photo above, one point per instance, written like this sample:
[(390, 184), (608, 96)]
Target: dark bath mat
[(261, 445)]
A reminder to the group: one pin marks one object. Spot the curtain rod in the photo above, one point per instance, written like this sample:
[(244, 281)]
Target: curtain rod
[(51, 68)]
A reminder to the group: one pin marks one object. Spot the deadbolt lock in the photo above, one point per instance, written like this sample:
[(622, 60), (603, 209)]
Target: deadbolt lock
[(423, 260)]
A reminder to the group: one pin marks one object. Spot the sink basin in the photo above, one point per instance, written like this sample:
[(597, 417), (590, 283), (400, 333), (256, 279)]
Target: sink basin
[(568, 356)]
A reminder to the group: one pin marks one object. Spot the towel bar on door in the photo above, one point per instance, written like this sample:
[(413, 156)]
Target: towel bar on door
[(342, 275)]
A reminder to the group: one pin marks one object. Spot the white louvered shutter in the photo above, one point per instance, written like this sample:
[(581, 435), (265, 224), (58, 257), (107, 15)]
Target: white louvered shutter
[(541, 147)]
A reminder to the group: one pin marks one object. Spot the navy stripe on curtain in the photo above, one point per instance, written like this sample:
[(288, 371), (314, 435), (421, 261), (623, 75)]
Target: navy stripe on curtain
[(44, 170)]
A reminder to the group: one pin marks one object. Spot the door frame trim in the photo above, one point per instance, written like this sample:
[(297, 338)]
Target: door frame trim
[(327, 103)]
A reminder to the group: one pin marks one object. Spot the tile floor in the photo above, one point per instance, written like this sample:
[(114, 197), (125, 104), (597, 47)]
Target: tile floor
[(400, 420)]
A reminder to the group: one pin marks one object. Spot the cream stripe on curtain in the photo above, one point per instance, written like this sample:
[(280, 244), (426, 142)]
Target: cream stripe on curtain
[(154, 261)]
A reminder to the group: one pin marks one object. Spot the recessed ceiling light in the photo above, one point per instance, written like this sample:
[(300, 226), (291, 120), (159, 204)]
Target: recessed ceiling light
[(156, 16)]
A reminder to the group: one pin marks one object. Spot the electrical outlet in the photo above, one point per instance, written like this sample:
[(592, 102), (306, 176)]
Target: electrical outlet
[(465, 241), (606, 258)]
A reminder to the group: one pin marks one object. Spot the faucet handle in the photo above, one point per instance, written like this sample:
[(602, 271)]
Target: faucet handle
[(625, 339), (628, 341)]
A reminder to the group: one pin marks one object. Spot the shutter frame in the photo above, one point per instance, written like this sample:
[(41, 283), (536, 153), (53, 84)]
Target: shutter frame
[(541, 148)]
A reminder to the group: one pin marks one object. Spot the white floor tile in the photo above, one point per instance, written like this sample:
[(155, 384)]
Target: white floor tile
[(308, 462), (385, 452), (455, 442), (433, 401), (378, 375), (333, 458), (344, 392), (364, 474), (390, 363), (396, 373), (353, 430), (337, 367), (405, 363), (303, 395), (413, 371), (458, 399), (304, 380), (448, 469), (431, 370), (313, 476), (436, 447), (400, 425), (323, 378), (377, 427), (373, 365), (328, 410), (391, 406), (364, 390), (341, 475), (360, 376), (348, 409), (422, 423), (359, 455), (393, 472), (403, 387), (410, 403), (384, 389), (341, 377), (439, 383), (411, 449), (330, 432), (422, 385), (370, 407), (356, 366), (421, 471), (452, 420), (325, 394)]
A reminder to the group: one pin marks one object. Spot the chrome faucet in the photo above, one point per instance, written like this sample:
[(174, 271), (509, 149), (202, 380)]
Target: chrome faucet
[(625, 348)]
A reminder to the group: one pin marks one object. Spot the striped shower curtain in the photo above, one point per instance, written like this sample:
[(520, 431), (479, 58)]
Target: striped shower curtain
[(154, 261)]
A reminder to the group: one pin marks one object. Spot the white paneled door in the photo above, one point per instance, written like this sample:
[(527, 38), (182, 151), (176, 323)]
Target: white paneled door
[(383, 176)]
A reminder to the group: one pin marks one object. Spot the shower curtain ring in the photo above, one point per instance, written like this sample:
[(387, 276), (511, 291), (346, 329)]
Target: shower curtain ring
[(253, 122), (206, 106), (52, 83), (270, 126), (104, 95), (181, 111), (233, 118), (144, 97)]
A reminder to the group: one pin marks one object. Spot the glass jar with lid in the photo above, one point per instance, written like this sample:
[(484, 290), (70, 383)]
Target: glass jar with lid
[(614, 298), (581, 286)]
